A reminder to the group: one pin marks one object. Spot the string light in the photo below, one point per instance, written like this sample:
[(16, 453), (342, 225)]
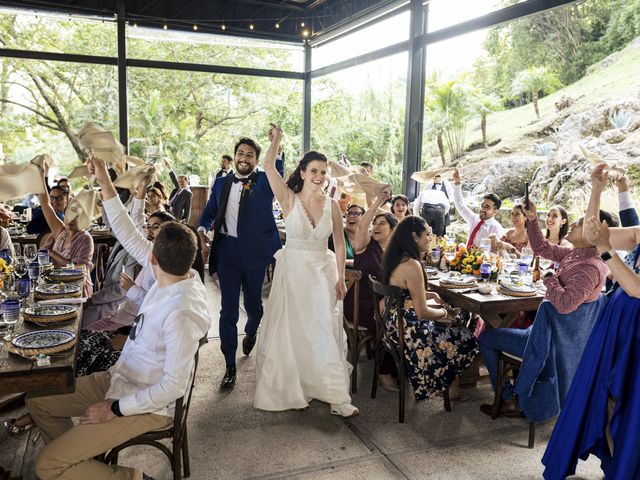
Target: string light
[(277, 25), (165, 26), (305, 33), (195, 27), (135, 25), (302, 24), (251, 26), (223, 27)]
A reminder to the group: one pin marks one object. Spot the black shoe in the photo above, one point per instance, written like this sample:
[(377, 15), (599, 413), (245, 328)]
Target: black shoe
[(248, 342), (229, 379)]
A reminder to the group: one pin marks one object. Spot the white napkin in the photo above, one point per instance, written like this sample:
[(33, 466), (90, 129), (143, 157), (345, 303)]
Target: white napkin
[(63, 301), (459, 281)]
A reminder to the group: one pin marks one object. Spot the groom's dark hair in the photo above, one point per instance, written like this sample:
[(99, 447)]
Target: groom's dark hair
[(175, 248), (251, 143)]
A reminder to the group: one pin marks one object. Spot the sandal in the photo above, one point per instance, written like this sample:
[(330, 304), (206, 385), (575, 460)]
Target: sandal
[(12, 429)]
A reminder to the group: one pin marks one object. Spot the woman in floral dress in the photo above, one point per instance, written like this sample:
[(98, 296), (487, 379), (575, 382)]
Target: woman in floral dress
[(435, 352)]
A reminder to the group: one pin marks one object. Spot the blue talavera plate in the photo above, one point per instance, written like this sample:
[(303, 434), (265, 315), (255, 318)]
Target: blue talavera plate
[(43, 339)]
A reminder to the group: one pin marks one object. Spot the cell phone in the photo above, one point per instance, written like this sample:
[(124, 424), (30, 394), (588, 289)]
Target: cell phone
[(526, 195)]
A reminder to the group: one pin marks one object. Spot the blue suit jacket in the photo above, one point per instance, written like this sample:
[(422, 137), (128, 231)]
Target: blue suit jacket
[(629, 217), (257, 231)]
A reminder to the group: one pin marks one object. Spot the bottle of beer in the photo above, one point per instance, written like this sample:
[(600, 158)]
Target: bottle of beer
[(536, 268)]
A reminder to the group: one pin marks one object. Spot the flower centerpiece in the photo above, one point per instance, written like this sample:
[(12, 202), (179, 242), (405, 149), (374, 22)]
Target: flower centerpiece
[(467, 260), (4, 271)]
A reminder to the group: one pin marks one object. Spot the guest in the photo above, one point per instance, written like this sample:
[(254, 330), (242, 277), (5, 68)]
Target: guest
[(64, 183), (154, 201), (354, 216), (601, 415), (5, 241), (627, 210), (225, 166), (435, 201), (180, 199), (435, 353), (138, 394), (514, 239), (367, 168), (59, 198), (400, 207), (369, 247), (480, 225), (67, 244), (163, 192), (579, 280), (557, 223)]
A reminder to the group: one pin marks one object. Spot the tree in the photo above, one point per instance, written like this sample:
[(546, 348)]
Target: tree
[(483, 105), (532, 81)]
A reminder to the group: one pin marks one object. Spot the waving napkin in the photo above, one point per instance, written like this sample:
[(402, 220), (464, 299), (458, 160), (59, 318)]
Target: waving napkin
[(43, 161), (426, 176), (338, 170), (84, 207), (16, 181), (580, 151), (357, 183), (132, 177), (81, 171), (103, 144)]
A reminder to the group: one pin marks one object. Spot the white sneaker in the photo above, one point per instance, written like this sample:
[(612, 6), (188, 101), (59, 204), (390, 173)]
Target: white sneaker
[(345, 410)]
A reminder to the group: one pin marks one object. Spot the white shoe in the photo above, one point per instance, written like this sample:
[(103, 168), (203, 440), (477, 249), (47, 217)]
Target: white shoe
[(345, 410)]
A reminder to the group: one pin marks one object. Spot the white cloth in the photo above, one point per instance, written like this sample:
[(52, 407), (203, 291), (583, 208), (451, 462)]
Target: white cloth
[(156, 367), (302, 347), (16, 181), (233, 207), (625, 201), (431, 197), (490, 226), (5, 240)]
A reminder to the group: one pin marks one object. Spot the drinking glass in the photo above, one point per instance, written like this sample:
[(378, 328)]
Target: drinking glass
[(34, 272), (526, 255), (10, 316), (31, 252), (43, 256), (485, 271), (21, 266), (485, 245), (23, 288), (435, 257)]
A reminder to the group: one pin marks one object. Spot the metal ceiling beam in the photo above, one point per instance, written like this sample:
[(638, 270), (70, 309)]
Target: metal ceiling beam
[(123, 104), (57, 57), (197, 67)]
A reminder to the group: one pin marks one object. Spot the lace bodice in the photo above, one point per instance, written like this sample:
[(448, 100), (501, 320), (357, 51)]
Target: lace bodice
[(301, 234)]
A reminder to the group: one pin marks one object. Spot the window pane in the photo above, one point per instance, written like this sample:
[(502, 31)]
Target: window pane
[(379, 35), (185, 47), (58, 33), (445, 13)]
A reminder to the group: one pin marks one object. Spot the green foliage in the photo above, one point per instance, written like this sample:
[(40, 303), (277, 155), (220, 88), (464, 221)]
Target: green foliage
[(533, 81)]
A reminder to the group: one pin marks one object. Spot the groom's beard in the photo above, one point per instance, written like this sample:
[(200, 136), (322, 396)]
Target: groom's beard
[(244, 169)]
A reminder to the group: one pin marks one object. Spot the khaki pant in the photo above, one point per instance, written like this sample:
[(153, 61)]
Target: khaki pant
[(70, 449)]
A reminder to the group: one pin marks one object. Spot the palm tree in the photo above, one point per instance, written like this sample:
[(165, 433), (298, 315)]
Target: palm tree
[(532, 81), (483, 105)]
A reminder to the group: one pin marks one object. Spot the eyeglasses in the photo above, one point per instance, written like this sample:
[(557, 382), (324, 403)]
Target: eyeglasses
[(57, 198), (354, 213), (152, 226)]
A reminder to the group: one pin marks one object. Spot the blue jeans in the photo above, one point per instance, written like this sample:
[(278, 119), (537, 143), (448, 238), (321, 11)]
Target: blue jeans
[(495, 340)]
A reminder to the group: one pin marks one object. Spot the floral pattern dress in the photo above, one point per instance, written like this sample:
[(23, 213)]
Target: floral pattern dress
[(434, 354)]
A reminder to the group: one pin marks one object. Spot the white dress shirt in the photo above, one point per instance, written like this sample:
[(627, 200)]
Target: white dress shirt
[(490, 226), (625, 201), (430, 197), (233, 207)]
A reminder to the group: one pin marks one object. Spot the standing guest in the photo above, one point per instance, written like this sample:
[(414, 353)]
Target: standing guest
[(154, 201), (480, 225), (138, 394), (435, 353), (557, 223), (240, 205), (627, 211), (433, 205), (67, 244), (180, 198), (301, 352), (601, 415), (353, 218), (579, 279), (514, 239), (225, 166), (400, 207), (59, 198), (446, 187)]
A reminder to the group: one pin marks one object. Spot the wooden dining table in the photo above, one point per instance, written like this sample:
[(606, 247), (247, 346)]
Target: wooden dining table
[(496, 309)]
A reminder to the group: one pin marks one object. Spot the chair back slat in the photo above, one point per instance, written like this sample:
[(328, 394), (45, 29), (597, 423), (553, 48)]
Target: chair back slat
[(388, 295)]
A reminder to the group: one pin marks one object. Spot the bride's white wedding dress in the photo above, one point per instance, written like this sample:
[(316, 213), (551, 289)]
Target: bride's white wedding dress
[(301, 350)]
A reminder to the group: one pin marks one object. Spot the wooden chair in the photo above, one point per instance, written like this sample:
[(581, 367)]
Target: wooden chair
[(101, 257), (178, 454), (509, 363), (391, 295), (358, 336)]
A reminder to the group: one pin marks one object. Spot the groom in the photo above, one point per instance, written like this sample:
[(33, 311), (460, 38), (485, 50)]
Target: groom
[(245, 239)]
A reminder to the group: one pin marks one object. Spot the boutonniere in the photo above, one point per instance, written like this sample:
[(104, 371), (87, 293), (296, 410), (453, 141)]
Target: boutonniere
[(249, 187)]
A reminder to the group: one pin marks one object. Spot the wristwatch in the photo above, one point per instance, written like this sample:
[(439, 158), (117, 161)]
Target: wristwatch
[(608, 255), (115, 408)]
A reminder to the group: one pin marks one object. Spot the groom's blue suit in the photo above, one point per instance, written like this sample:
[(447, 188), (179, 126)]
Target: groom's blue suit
[(241, 261)]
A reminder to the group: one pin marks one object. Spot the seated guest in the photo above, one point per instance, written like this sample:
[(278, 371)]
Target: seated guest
[(5, 241), (369, 247), (435, 353), (400, 206), (514, 239), (579, 280), (138, 394), (180, 198), (63, 182), (154, 201), (480, 225), (601, 415), (557, 223), (433, 205), (59, 197), (354, 215), (68, 243)]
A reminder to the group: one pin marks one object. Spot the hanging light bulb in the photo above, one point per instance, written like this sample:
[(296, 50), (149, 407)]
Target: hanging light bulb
[(277, 25), (305, 33), (302, 24), (223, 27), (135, 25), (251, 26), (165, 26), (195, 27)]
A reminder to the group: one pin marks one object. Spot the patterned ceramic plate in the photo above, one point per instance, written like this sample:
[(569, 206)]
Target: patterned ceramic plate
[(49, 310), (514, 287), (57, 289), (43, 339)]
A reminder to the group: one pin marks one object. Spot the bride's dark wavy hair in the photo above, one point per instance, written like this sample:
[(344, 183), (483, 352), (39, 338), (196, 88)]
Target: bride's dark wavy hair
[(402, 246), (295, 181)]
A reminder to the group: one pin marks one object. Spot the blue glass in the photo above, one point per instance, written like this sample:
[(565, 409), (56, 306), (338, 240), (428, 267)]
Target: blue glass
[(23, 287), (485, 270), (43, 256), (5, 254), (34, 270), (10, 311)]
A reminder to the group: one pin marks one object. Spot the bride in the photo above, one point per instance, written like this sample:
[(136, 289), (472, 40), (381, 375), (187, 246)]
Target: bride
[(301, 352)]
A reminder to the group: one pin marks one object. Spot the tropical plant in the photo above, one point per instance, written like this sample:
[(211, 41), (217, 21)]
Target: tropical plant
[(621, 119), (544, 149), (532, 81), (483, 105)]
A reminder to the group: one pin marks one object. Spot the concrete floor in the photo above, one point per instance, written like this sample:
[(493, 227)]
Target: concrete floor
[(229, 439)]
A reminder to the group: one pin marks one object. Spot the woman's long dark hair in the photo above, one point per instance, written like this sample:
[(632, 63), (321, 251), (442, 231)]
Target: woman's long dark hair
[(564, 228), (295, 181), (402, 245)]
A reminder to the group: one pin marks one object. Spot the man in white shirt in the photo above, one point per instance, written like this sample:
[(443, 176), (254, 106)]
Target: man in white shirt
[(433, 204), (139, 392), (483, 224)]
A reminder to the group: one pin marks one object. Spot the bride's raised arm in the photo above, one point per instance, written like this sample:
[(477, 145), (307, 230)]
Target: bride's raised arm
[(282, 192)]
